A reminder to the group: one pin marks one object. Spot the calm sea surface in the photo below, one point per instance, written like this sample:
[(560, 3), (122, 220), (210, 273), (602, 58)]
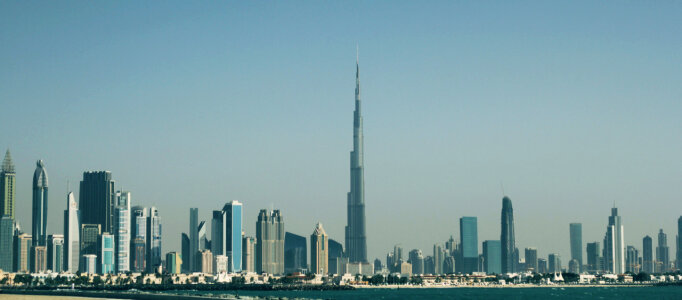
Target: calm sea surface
[(477, 293)]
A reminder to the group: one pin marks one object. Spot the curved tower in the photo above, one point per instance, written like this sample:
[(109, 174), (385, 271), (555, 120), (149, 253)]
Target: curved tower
[(356, 240), (507, 237), (39, 212)]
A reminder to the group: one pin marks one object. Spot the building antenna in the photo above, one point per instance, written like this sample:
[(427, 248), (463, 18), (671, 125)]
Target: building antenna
[(68, 186), (502, 187)]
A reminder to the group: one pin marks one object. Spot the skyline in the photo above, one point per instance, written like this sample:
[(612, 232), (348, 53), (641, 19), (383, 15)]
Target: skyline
[(453, 172)]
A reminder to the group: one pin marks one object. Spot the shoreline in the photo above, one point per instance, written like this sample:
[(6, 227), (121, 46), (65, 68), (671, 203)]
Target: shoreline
[(497, 286)]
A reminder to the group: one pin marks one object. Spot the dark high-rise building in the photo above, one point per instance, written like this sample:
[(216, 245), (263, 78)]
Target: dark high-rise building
[(7, 186), (295, 253), (554, 263), (507, 238), (39, 212), (89, 238), (679, 244), (468, 235), (415, 258), (55, 253), (662, 253), (356, 239), (193, 259), (184, 252), (492, 257), (97, 200), (6, 242), (377, 266), (576, 234), (335, 255), (647, 255), (593, 251), (217, 232), (542, 266), (532, 259)]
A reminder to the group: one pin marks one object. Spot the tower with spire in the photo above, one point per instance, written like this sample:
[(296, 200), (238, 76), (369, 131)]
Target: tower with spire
[(7, 186), (356, 240), (39, 212)]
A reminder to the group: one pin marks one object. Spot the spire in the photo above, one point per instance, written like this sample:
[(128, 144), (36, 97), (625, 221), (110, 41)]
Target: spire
[(7, 164)]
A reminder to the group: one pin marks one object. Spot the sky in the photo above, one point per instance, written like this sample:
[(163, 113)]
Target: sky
[(567, 107)]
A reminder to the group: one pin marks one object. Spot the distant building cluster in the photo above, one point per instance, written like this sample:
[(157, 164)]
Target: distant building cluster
[(104, 233)]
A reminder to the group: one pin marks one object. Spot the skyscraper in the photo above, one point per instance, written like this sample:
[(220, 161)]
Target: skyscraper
[(614, 246), (319, 251), (593, 257), (507, 238), (270, 242), (233, 236), (356, 239), (647, 255), (89, 238), (39, 259), (437, 259), (295, 253), (468, 235), (492, 257), (7, 186), (554, 263), (71, 235), (55, 252), (123, 232), (203, 241), (106, 253), (576, 233), (631, 260), (138, 230), (416, 258), (217, 233), (193, 259), (336, 257), (22, 257), (6, 243), (97, 200), (249, 255), (679, 244), (153, 239), (39, 212), (662, 253), (185, 252), (531, 255)]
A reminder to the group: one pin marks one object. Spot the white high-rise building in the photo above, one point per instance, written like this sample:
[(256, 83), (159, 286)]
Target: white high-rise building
[(153, 239), (71, 235), (614, 245), (122, 227)]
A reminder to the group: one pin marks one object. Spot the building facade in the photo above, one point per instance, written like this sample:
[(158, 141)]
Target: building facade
[(153, 240), (614, 246), (662, 253), (107, 251), (319, 250), (55, 252), (270, 243), (173, 263), (295, 253), (194, 259), (593, 257), (492, 257), (468, 232), (97, 200), (7, 186), (6, 243), (576, 239), (123, 231), (249, 255), (233, 235)]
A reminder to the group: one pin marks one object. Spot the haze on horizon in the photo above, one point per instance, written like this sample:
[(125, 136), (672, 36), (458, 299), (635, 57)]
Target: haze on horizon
[(571, 106)]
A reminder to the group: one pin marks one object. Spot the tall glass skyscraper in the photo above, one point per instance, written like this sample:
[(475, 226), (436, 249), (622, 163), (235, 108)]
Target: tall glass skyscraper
[(123, 232), (55, 253), (468, 233), (39, 212), (193, 259), (614, 246), (233, 236), (356, 239), (71, 235), (647, 255), (576, 234), (679, 244), (153, 239), (593, 257), (492, 257), (507, 238), (319, 251), (106, 255), (218, 233), (7, 186), (97, 200)]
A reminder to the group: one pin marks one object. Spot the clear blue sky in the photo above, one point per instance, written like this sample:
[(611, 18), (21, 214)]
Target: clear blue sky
[(571, 105)]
